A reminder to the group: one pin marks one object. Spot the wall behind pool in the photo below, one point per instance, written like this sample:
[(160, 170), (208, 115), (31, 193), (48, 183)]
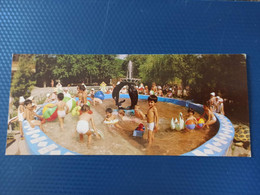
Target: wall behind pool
[(217, 145)]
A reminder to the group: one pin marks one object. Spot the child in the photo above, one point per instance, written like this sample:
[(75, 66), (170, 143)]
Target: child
[(20, 117), (211, 117), (220, 105), (63, 109), (212, 102), (82, 94), (95, 100), (121, 114), (191, 117), (146, 90), (111, 119), (29, 115), (139, 113), (83, 124), (152, 118)]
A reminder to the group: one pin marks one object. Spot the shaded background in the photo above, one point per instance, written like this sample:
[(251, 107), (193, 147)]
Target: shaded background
[(129, 27)]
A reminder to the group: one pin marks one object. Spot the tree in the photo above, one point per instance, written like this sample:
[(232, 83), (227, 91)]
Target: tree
[(23, 79), (89, 68), (44, 67)]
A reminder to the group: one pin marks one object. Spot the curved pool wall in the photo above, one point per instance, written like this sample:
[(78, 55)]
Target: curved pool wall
[(217, 145), (40, 144)]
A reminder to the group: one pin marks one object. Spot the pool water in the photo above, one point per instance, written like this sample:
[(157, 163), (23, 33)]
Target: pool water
[(121, 141)]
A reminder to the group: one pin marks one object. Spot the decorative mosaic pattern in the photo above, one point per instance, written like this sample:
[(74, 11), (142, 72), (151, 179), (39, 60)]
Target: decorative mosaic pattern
[(41, 144)]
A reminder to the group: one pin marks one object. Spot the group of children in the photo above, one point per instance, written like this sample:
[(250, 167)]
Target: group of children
[(151, 117), (26, 112)]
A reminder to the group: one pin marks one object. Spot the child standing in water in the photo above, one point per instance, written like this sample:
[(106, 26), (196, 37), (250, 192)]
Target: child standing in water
[(152, 118), (83, 124), (63, 109)]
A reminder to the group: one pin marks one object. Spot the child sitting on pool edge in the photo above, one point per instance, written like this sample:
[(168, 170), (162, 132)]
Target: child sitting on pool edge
[(83, 124), (63, 109), (211, 117), (152, 118), (29, 115)]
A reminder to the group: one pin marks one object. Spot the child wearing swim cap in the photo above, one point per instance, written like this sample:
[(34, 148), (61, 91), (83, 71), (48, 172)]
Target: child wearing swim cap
[(83, 125)]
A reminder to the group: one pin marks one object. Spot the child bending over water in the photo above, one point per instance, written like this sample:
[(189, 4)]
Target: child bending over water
[(63, 109), (83, 124), (152, 118)]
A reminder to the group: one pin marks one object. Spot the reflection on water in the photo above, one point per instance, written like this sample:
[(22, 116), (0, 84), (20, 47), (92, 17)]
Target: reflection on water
[(121, 142)]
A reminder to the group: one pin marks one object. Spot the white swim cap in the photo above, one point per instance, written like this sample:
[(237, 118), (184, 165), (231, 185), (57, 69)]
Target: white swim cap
[(213, 94), (21, 99), (47, 95), (92, 89)]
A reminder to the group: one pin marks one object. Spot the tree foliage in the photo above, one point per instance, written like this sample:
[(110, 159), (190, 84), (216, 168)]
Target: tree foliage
[(88, 68), (23, 79)]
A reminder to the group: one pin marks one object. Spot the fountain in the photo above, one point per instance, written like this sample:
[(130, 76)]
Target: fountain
[(129, 75), (131, 83)]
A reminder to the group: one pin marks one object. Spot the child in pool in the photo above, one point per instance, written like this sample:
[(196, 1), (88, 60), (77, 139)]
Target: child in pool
[(83, 124), (191, 117), (139, 113), (111, 118), (121, 114), (95, 100), (63, 109), (211, 117), (152, 118), (29, 115)]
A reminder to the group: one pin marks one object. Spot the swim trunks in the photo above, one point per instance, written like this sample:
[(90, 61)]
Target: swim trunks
[(150, 126), (82, 127), (61, 113)]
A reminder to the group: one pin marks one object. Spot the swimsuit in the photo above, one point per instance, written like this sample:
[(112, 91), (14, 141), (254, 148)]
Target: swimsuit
[(214, 118), (20, 116), (82, 126), (150, 126), (61, 113)]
